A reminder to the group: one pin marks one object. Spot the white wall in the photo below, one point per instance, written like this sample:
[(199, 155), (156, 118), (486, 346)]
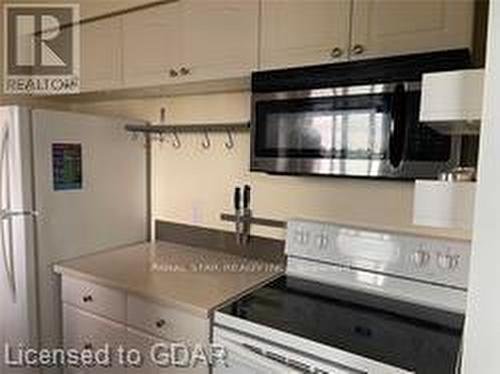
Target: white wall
[(194, 186), (482, 336)]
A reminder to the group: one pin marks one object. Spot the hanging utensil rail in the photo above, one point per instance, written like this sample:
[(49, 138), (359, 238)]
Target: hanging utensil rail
[(177, 129)]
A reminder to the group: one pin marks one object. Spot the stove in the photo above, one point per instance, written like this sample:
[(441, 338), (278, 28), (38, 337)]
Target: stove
[(352, 301)]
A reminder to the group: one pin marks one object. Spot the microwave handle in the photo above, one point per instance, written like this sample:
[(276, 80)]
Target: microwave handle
[(398, 127)]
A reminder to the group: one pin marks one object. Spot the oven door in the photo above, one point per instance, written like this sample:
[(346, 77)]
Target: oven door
[(363, 131), (248, 355)]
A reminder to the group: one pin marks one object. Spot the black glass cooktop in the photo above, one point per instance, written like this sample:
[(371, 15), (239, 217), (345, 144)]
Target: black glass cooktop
[(404, 335)]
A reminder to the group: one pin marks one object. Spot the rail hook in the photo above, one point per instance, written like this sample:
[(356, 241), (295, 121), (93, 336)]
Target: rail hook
[(230, 141), (206, 142), (162, 137), (177, 142), (163, 115)]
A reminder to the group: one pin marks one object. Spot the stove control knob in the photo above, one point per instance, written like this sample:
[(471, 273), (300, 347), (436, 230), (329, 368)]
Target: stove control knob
[(301, 237), (447, 261), (421, 258), (322, 241)]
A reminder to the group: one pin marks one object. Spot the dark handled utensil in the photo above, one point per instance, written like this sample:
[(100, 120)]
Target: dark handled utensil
[(237, 198), (246, 196)]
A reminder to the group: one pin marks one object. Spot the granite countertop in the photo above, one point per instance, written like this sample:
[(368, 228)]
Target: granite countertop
[(195, 280)]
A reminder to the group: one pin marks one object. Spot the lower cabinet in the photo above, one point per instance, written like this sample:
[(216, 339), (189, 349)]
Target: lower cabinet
[(85, 331), (138, 336), (146, 345), (157, 355)]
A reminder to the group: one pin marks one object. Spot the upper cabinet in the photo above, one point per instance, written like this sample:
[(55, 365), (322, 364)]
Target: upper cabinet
[(101, 55), (297, 32), (97, 8), (220, 38), (152, 45), (199, 40), (388, 27), (190, 40)]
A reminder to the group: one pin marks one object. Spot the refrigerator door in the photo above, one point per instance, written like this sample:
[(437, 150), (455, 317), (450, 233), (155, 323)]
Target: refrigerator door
[(18, 315), (90, 193)]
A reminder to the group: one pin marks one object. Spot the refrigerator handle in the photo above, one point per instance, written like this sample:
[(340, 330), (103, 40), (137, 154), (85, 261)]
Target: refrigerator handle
[(7, 250), (8, 214)]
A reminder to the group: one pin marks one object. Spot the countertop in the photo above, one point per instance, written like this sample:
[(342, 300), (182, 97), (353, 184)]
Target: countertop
[(196, 280)]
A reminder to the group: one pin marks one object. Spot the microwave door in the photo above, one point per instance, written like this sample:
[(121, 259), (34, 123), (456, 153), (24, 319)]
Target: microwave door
[(333, 135)]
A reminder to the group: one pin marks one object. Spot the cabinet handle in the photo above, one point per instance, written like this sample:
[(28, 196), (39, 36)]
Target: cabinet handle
[(173, 73), (88, 299), (358, 49), (185, 71), (161, 323), (336, 52)]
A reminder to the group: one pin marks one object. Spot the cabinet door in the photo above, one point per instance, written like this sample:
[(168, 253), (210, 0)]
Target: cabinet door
[(152, 45), (392, 27), (144, 344), (297, 32), (220, 38), (100, 51), (96, 8), (83, 330), (148, 345)]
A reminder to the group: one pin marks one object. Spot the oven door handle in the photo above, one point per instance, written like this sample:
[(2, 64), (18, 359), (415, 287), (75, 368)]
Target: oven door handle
[(262, 360), (398, 126)]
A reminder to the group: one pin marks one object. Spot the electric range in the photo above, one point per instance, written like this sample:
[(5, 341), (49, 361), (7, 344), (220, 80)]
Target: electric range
[(352, 301)]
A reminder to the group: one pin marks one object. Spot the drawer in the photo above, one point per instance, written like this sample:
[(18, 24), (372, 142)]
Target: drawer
[(83, 330), (104, 301), (144, 343), (168, 323)]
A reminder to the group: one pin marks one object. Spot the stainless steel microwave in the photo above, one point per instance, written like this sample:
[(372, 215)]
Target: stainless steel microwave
[(358, 119)]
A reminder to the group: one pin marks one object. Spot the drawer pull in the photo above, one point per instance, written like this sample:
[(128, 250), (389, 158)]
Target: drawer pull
[(88, 299), (336, 52), (185, 71), (88, 346), (358, 49), (161, 323)]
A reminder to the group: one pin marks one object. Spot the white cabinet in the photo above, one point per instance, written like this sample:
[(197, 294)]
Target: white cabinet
[(94, 316), (101, 55), (452, 101), (192, 40), (96, 8), (297, 32), (166, 322), (83, 330), (444, 204), (94, 298), (147, 345), (389, 27), (199, 40), (219, 38), (152, 46), (157, 355)]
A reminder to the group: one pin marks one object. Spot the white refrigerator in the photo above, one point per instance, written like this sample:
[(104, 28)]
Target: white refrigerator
[(70, 185)]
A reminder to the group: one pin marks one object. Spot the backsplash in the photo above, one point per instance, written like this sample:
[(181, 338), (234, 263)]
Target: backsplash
[(192, 185)]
